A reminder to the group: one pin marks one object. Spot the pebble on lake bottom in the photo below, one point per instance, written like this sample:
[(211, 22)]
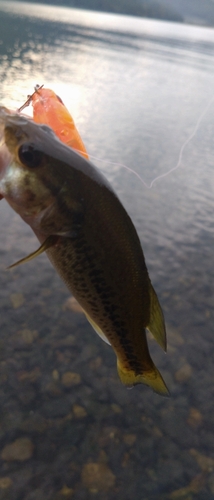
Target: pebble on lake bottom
[(70, 378), (21, 449), (205, 463), (174, 337), (79, 411), (17, 300), (28, 336), (195, 486), (95, 363), (97, 477), (66, 492), (55, 375), (5, 483), (116, 408), (195, 418), (211, 483), (184, 373), (31, 376), (129, 439)]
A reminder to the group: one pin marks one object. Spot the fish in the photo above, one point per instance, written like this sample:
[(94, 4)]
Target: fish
[(88, 237), (49, 109)]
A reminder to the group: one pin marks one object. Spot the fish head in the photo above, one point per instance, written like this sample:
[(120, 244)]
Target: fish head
[(41, 178), (27, 178)]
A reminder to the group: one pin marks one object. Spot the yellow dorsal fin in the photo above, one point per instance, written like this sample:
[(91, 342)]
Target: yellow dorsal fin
[(97, 329), (49, 242), (156, 322)]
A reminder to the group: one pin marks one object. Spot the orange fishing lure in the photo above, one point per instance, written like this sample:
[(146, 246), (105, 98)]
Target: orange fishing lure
[(49, 109)]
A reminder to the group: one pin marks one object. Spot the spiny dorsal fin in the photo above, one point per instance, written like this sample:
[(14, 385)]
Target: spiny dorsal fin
[(156, 322), (49, 242)]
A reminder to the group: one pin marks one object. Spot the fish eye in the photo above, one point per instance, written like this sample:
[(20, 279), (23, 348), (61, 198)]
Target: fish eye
[(30, 156)]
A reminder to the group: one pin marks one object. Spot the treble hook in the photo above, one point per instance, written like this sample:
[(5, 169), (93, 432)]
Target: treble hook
[(30, 97)]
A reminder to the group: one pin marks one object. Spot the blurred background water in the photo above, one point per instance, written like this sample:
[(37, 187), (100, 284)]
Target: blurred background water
[(137, 90)]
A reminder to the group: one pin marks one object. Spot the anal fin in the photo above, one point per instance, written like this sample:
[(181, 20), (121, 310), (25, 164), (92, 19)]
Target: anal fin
[(97, 329)]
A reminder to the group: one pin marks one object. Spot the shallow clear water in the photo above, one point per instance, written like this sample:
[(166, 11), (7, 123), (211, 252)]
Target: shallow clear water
[(137, 90)]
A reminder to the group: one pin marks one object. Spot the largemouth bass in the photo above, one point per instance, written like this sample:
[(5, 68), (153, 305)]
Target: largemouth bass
[(89, 238)]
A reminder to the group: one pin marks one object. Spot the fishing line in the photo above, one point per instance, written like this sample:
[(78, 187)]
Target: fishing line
[(186, 142), (161, 176)]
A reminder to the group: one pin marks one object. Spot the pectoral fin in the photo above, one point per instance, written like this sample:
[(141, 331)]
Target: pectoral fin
[(156, 322), (48, 243), (97, 329)]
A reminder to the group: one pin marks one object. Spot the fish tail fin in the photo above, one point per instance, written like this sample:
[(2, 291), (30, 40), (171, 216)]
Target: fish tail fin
[(152, 378), (156, 321)]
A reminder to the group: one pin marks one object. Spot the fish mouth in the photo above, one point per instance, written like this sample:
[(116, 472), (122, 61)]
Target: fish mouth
[(13, 120), (5, 155), (7, 118), (21, 128), (3, 117)]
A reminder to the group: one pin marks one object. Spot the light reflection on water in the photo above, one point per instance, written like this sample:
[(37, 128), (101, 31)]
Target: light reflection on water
[(136, 89)]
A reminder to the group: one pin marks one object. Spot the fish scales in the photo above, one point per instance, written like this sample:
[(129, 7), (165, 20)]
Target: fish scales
[(81, 258), (91, 241)]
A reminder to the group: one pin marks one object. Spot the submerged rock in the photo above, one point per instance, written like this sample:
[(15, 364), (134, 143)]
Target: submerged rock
[(129, 439), (79, 411), (5, 483), (97, 477), (21, 449), (17, 300), (65, 493), (205, 463), (70, 378), (195, 418), (184, 373)]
